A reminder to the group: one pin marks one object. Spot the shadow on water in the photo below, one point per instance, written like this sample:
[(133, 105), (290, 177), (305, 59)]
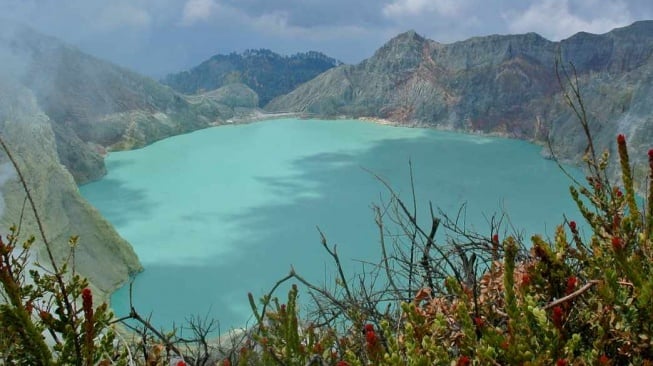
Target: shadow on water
[(115, 164), (120, 203), (335, 192), (342, 188)]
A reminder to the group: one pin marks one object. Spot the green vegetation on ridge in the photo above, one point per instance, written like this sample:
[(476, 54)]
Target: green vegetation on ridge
[(267, 73)]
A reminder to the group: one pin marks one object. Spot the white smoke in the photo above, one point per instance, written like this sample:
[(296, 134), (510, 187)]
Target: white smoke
[(7, 172), (15, 61)]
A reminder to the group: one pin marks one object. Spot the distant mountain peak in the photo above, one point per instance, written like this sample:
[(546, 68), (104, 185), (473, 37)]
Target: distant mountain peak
[(407, 36), (503, 84), (266, 72)]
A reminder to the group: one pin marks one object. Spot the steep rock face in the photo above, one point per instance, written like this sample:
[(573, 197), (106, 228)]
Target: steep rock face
[(101, 255), (497, 84), (94, 105), (267, 73)]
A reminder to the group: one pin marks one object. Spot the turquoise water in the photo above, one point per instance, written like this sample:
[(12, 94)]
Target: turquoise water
[(221, 212)]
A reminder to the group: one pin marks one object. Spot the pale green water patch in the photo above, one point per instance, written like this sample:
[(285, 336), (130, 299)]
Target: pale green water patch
[(224, 211)]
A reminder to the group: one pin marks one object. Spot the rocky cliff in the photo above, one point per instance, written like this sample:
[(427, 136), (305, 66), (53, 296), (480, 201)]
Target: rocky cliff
[(94, 105), (102, 255), (497, 84), (267, 73)]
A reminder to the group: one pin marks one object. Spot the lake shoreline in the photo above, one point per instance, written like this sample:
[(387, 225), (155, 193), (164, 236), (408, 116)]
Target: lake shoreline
[(264, 116)]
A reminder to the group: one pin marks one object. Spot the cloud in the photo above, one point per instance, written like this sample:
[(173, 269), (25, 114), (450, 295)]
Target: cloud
[(123, 15), (556, 19), (6, 172), (158, 36), (399, 8), (278, 24), (197, 11)]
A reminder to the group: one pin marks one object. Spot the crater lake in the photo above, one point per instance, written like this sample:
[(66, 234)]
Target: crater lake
[(224, 211)]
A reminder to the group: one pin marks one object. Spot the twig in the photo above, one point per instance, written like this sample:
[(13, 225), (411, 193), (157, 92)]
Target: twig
[(414, 233), (335, 257), (579, 292), (412, 219), (379, 224)]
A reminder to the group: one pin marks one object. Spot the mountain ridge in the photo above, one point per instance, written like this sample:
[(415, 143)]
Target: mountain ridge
[(268, 73), (503, 84)]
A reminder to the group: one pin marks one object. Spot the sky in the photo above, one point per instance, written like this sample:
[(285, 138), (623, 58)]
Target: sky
[(157, 37)]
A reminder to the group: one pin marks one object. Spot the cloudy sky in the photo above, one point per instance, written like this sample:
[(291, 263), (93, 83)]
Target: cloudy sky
[(155, 37)]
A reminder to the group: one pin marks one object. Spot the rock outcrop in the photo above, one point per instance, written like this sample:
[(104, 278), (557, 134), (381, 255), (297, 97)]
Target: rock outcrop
[(101, 255)]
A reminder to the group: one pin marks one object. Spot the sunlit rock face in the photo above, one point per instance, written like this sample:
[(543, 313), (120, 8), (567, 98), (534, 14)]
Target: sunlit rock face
[(499, 84)]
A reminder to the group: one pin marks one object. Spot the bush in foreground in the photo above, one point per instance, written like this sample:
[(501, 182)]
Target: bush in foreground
[(563, 301)]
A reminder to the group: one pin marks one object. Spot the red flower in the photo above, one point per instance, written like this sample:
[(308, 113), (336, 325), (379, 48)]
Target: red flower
[(342, 363), (562, 361), (87, 306), (226, 362), (616, 221), (572, 226), (621, 139), (87, 299), (495, 238), (505, 344), (464, 361), (369, 327), (525, 279), (617, 243), (571, 284), (479, 321), (180, 363), (557, 316), (317, 348), (604, 360), (29, 307), (618, 192), (370, 337), (45, 316)]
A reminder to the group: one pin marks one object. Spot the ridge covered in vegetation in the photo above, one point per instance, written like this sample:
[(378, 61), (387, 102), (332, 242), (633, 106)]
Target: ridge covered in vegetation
[(267, 73)]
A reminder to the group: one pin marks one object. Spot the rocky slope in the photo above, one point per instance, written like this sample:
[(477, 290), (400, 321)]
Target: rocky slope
[(102, 255), (60, 110), (267, 73), (95, 105), (497, 84)]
